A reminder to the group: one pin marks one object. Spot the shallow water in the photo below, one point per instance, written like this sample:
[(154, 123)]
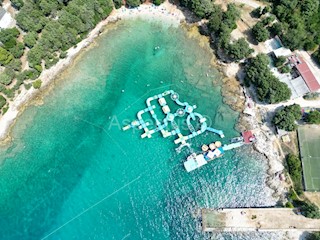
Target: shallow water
[(71, 173)]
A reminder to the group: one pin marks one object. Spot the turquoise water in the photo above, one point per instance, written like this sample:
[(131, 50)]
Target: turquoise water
[(71, 173)]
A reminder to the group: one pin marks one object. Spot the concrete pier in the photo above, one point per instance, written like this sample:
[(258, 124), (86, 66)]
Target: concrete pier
[(256, 219)]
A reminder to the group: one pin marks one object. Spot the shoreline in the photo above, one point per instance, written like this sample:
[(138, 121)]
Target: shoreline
[(250, 118), (166, 12)]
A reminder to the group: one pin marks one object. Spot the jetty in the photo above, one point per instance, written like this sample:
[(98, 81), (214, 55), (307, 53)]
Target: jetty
[(256, 219)]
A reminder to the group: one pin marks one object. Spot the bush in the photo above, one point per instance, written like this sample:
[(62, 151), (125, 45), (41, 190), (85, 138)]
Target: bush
[(37, 84), (311, 96)]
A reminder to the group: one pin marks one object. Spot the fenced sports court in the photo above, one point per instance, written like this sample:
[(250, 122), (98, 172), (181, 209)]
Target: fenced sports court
[(309, 144)]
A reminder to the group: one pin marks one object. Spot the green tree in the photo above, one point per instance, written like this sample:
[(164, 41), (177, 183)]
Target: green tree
[(286, 117), (313, 236), (30, 39), (37, 84), (31, 18), (295, 170), (280, 61), (48, 7), (117, 3), (158, 2), (18, 50), (310, 210), (314, 117), (17, 4), (5, 79), (285, 69), (257, 12), (215, 19), (239, 49), (3, 101), (309, 7), (8, 37), (266, 9), (260, 33), (133, 3), (202, 8), (289, 205), (5, 56), (231, 16)]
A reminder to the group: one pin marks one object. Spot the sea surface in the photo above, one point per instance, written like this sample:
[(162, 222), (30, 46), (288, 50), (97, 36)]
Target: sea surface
[(72, 173)]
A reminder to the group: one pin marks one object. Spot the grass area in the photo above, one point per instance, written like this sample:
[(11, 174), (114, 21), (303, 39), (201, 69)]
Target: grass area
[(309, 142)]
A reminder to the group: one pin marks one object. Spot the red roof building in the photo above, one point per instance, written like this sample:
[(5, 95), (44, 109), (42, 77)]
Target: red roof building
[(305, 72), (248, 137)]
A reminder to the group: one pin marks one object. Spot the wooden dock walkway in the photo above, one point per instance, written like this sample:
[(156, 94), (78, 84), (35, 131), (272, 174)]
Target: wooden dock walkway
[(256, 219)]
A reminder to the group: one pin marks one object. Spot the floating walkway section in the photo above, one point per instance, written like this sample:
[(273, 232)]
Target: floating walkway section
[(256, 219)]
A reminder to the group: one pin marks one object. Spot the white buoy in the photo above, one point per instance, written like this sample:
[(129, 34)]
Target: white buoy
[(122, 90)]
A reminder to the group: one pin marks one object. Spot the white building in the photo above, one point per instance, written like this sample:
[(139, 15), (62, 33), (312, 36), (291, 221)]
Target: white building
[(6, 21)]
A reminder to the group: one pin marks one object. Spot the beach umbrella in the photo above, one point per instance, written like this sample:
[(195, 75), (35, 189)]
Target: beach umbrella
[(204, 147), (218, 144), (212, 146)]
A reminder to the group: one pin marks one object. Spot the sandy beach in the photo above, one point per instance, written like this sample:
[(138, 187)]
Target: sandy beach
[(166, 12)]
